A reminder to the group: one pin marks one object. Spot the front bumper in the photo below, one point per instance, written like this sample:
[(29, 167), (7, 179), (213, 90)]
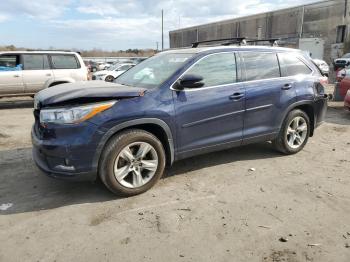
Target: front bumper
[(67, 157)]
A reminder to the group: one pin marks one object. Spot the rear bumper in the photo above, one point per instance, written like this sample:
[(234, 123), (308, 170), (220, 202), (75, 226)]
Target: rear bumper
[(347, 102)]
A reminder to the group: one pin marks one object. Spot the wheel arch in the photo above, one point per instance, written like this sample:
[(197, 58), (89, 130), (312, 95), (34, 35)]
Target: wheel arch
[(155, 126), (308, 108), (57, 81)]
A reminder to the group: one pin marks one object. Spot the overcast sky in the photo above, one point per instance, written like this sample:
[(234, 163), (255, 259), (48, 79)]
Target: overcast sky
[(114, 24)]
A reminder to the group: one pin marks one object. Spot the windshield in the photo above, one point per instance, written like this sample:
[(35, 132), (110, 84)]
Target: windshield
[(154, 71), (346, 55), (113, 67)]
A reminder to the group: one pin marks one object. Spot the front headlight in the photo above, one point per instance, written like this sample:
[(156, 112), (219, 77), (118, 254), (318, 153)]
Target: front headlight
[(74, 114)]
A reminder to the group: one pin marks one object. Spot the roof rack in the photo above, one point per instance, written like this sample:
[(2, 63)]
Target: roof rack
[(229, 41), (272, 41)]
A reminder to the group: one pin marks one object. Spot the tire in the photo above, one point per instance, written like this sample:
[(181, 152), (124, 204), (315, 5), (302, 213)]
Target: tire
[(290, 141), (112, 158), (109, 78)]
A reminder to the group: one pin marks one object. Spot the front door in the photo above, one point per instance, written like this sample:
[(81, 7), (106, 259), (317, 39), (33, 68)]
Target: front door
[(36, 71), (210, 116), (11, 81)]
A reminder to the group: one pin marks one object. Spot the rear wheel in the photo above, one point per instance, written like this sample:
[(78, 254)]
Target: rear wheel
[(132, 162), (294, 133)]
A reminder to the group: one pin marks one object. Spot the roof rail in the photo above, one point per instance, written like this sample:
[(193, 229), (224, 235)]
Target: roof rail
[(229, 41)]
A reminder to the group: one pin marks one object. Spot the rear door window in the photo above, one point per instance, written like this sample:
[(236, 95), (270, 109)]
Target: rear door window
[(292, 65), (9, 63), (260, 66), (64, 62), (35, 62), (217, 69)]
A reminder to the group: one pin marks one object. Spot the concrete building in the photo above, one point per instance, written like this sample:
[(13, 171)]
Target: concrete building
[(324, 23)]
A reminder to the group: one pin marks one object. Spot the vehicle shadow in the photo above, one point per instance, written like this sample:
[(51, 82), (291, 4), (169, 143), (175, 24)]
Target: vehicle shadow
[(28, 189), (16, 102)]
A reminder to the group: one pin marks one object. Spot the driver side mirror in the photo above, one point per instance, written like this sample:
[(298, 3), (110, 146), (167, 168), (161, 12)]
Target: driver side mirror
[(189, 81)]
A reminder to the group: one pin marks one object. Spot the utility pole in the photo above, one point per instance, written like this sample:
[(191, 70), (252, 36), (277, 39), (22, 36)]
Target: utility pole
[(162, 30), (157, 45)]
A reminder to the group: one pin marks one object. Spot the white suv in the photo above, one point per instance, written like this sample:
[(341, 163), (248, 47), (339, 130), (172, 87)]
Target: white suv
[(27, 72)]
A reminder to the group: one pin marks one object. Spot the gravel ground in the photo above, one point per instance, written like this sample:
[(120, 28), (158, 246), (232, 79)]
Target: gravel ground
[(209, 208)]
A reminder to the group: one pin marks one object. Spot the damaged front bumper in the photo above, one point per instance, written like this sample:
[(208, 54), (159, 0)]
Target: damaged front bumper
[(63, 155)]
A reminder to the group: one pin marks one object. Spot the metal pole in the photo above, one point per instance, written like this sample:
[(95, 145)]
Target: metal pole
[(162, 30), (302, 23)]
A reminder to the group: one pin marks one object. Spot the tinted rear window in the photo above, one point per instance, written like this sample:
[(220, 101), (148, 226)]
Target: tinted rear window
[(35, 62), (8, 60), (64, 62), (292, 65), (261, 65)]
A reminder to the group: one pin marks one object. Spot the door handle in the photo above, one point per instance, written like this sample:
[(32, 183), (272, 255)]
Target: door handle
[(48, 74), (236, 96), (16, 76), (287, 86)]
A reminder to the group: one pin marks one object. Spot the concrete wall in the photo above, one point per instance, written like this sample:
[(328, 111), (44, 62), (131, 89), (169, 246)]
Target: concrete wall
[(314, 20)]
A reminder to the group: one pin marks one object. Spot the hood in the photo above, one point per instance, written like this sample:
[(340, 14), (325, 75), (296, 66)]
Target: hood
[(88, 91), (102, 72)]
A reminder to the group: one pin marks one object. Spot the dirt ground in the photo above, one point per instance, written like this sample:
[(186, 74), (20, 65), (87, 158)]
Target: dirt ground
[(209, 208)]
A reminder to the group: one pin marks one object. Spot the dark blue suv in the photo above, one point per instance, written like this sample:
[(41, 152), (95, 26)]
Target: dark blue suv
[(175, 105)]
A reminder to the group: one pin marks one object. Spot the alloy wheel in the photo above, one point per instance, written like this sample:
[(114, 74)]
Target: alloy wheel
[(296, 132), (136, 164)]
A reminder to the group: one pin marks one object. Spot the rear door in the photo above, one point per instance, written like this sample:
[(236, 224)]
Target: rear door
[(36, 71), (267, 94), (11, 81), (212, 115)]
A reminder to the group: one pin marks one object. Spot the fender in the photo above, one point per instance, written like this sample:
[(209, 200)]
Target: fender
[(132, 123), (63, 79)]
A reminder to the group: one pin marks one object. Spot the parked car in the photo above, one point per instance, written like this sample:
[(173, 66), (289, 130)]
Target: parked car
[(88, 65), (323, 66), (102, 65), (347, 100), (112, 73), (343, 78), (178, 104), (27, 72), (342, 62)]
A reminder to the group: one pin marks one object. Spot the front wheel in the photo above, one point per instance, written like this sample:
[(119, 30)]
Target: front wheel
[(132, 162), (294, 133), (109, 78)]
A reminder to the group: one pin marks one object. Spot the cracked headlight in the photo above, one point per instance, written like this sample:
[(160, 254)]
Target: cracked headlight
[(73, 115)]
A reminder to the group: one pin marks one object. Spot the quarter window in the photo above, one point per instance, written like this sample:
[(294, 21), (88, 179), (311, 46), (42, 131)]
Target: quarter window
[(64, 62), (260, 66), (35, 62), (291, 65), (217, 69)]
